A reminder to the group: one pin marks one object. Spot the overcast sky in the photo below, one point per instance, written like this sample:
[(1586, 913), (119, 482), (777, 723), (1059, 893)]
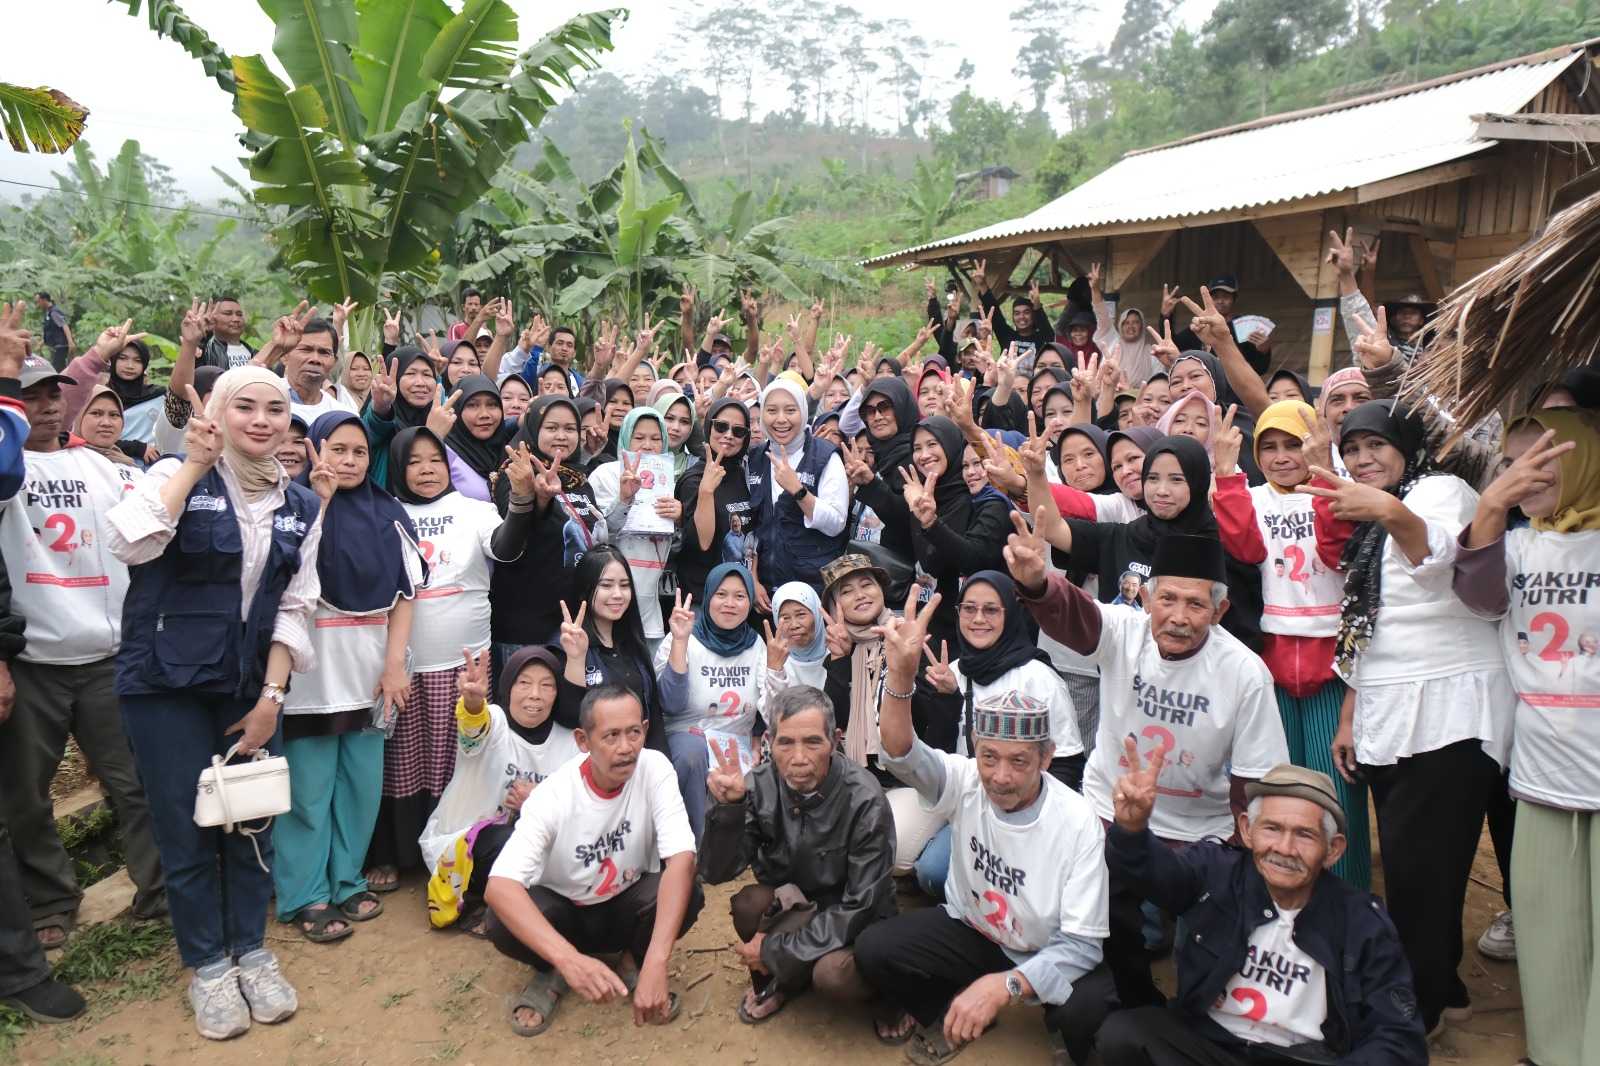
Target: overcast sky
[(146, 88)]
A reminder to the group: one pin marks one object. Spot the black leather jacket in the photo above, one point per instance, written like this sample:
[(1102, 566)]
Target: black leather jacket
[(836, 846)]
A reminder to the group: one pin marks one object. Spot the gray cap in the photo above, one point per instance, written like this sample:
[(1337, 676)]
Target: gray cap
[(1300, 782), (36, 371)]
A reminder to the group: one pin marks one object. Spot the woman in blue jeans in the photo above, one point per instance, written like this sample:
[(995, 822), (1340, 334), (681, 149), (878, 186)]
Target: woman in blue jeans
[(222, 551)]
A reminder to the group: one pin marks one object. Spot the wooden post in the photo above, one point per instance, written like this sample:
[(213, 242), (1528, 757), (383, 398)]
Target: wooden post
[(1324, 306)]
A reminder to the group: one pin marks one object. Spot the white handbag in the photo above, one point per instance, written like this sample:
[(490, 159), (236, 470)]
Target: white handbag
[(229, 795)]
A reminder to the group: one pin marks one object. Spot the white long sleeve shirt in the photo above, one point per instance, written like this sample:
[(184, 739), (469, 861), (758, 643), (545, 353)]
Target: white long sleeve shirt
[(832, 492)]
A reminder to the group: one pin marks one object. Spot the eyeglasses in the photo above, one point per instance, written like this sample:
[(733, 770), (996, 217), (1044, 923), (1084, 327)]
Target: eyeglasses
[(981, 610), (873, 410), (739, 432)]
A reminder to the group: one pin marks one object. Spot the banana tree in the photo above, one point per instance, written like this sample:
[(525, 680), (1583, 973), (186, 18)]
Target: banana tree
[(48, 119), (394, 121)]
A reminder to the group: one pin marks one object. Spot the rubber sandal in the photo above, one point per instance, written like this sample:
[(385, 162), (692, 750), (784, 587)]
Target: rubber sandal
[(928, 1047), (318, 917), (67, 923), (885, 1017), (351, 908), (543, 994), (750, 1019), (390, 887)]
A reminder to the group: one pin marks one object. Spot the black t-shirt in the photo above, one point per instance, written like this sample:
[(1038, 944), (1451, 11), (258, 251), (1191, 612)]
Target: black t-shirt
[(733, 516)]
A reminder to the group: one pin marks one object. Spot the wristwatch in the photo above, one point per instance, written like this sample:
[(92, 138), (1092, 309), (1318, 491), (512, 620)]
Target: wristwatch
[(273, 692), (802, 494), (1014, 987)]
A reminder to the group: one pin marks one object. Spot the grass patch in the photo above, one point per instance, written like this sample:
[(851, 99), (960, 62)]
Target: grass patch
[(102, 952), (76, 832), (394, 999), (13, 1023)]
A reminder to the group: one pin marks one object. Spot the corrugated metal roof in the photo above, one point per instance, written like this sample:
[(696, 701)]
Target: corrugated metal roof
[(1289, 158)]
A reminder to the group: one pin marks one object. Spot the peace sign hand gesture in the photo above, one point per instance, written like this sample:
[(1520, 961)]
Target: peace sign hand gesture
[(1207, 322), (473, 680), (1134, 795), (904, 637), (1533, 471), (1317, 447), (681, 621), (777, 647), (385, 385), (195, 325), (391, 327), (1084, 377), (324, 482), (628, 484), (725, 782), (840, 642), (1027, 556), (924, 507), (574, 638), (287, 330), (1163, 349), (938, 673), (713, 472), (783, 473), (1352, 501), (1033, 452), (1169, 300), (1342, 253), (442, 418), (113, 339), (14, 340), (1229, 441), (856, 467), (519, 471), (1372, 348), (342, 313), (202, 437)]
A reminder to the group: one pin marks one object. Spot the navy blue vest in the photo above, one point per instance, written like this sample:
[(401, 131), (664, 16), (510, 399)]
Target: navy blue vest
[(180, 622), (789, 549)]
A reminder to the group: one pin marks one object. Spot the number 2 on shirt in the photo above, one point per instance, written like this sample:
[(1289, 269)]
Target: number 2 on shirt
[(1559, 631), (608, 878), (66, 529)]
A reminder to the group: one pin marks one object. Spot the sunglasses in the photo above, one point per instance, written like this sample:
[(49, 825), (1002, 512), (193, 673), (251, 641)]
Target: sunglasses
[(875, 409), (739, 432)]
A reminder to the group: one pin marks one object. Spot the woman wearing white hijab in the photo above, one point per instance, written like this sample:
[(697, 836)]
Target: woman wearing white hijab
[(213, 539)]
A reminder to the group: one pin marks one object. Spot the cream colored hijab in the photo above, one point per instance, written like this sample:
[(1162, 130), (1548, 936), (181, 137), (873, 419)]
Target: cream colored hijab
[(256, 476)]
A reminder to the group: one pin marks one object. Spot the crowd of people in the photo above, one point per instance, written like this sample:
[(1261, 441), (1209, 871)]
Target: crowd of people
[(1100, 636)]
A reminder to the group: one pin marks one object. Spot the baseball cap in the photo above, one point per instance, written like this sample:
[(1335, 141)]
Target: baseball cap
[(1301, 783), (36, 371), (1225, 283)]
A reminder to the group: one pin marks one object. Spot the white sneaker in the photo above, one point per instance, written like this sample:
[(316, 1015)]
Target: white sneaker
[(219, 1010), (271, 997), (1499, 941)]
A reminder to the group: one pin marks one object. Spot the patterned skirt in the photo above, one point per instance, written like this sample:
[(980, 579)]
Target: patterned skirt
[(421, 755)]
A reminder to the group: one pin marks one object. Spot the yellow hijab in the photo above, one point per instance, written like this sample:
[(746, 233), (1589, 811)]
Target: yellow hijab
[(1578, 507), (1294, 417)]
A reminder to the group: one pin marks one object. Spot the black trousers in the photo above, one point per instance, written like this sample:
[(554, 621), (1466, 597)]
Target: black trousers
[(625, 923), (1502, 823), (923, 959), (1160, 1036), (22, 963), (1430, 814)]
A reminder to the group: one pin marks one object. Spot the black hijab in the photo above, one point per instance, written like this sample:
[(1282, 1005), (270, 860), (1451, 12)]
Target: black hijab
[(1307, 393), (889, 454), (1013, 648), (551, 659), (138, 390), (483, 456), (1194, 520), (729, 461), (1058, 379), (951, 496), (360, 560), (527, 432), (1100, 439), (559, 371), (1363, 552), (444, 374), (612, 386), (400, 455), (893, 364), (404, 413)]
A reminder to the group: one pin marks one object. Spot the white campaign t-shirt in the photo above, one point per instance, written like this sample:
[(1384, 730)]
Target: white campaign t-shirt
[(1551, 640), (1020, 884), (350, 652), (487, 762), (724, 694), (325, 403), (1280, 994), (64, 580), (588, 847), (1038, 681), (1213, 714), (1301, 596), (453, 532)]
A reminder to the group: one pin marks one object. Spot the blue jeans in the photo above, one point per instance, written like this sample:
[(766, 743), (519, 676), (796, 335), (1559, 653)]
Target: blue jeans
[(216, 890), (933, 865), (693, 762)]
